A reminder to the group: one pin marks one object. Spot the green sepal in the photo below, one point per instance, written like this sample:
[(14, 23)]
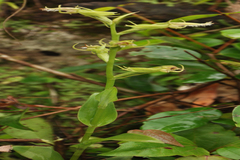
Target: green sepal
[(120, 18)]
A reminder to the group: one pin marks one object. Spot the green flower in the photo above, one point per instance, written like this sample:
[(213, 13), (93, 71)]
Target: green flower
[(100, 50), (99, 15)]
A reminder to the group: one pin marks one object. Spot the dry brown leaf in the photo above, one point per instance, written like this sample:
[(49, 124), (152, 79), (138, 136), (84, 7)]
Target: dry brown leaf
[(227, 93), (160, 135), (161, 106), (202, 97), (6, 148)]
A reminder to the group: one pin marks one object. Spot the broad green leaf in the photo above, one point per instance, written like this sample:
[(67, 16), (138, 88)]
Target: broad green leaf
[(236, 115), (107, 96), (229, 152), (174, 121), (40, 130), (109, 115), (133, 138), (211, 136), (193, 17), (204, 76), (230, 52), (203, 158), (231, 33), (38, 152), (166, 52), (88, 110), (147, 149), (13, 121), (160, 135)]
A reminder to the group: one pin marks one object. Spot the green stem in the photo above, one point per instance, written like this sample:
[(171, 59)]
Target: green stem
[(112, 55), (110, 83)]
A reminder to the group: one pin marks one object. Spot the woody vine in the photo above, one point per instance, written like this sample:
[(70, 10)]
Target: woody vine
[(99, 109)]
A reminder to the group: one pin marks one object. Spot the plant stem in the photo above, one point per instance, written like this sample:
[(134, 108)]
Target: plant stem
[(109, 83), (112, 55)]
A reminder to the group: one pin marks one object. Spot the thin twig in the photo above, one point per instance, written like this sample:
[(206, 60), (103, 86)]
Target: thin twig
[(16, 12), (224, 45)]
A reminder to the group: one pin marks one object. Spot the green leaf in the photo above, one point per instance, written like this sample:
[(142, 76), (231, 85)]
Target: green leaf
[(13, 5), (230, 52), (143, 83), (160, 135), (231, 33), (120, 158), (133, 138), (179, 42), (147, 149), (211, 136), (205, 76), (233, 64), (88, 110), (211, 42), (109, 115), (174, 121), (229, 152), (224, 121), (193, 17), (38, 152), (13, 121), (203, 158), (166, 52), (236, 115), (40, 130), (200, 2), (107, 96)]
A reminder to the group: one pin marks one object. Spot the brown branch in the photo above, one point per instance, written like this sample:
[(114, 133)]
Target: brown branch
[(227, 15), (224, 45)]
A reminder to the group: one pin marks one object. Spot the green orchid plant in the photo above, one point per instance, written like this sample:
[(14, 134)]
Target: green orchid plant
[(99, 109)]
